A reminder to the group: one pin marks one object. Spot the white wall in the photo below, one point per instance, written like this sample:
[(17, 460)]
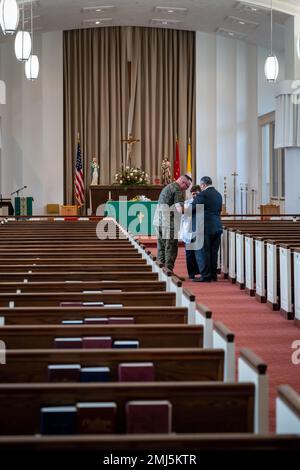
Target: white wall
[(226, 111), (32, 123), (266, 92)]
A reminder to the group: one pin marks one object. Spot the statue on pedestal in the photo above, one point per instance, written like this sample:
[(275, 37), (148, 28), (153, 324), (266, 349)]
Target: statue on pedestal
[(166, 171), (94, 172)]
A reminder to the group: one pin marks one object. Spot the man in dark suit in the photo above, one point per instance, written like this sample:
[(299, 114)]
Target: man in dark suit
[(207, 256)]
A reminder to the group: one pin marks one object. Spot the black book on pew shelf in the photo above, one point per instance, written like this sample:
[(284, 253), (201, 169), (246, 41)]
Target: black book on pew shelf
[(120, 320), (136, 372), (96, 418), (126, 344), (95, 374), (57, 420), (97, 342), (96, 321), (64, 372), (68, 343), (70, 304), (148, 416), (72, 322)]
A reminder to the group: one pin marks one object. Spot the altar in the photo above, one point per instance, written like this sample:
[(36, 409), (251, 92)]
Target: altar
[(100, 194)]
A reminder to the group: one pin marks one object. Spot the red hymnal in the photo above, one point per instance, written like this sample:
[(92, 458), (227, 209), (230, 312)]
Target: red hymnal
[(148, 417), (96, 418), (136, 372), (97, 342), (120, 320)]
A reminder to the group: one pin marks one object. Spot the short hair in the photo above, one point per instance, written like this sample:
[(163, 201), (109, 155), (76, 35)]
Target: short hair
[(188, 177), (206, 180), (195, 188)]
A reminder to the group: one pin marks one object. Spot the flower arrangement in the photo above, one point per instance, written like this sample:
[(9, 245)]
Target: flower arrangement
[(140, 198), (128, 175)]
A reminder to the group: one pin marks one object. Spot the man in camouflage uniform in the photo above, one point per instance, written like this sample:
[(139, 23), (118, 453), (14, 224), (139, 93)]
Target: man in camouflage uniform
[(167, 220)]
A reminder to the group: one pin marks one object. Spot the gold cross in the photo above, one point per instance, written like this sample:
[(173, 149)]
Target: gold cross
[(129, 142)]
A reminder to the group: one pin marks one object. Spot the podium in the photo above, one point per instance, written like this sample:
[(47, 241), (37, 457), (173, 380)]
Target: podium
[(23, 206)]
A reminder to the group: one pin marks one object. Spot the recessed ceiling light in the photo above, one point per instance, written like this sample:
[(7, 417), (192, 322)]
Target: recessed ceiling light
[(164, 22), (170, 11), (231, 34), (242, 22), (98, 9), (97, 22)]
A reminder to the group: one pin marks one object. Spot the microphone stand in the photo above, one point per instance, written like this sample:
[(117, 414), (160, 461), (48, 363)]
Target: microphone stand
[(17, 191)]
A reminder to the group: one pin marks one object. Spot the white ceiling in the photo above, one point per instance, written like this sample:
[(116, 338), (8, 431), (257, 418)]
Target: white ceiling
[(199, 15)]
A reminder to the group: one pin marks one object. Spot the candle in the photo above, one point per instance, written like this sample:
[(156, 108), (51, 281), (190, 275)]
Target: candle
[(109, 195)]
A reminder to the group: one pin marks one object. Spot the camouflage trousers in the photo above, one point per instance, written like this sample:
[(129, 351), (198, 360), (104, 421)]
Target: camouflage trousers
[(167, 249)]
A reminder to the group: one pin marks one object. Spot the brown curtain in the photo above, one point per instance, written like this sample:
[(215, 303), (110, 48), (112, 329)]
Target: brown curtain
[(121, 80)]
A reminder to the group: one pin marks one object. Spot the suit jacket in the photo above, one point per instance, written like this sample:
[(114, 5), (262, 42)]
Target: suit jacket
[(212, 201)]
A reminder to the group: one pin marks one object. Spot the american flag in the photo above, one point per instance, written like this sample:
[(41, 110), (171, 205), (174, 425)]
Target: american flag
[(79, 181)]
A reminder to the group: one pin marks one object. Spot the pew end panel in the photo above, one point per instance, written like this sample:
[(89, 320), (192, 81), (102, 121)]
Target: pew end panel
[(251, 368), (223, 338), (287, 411)]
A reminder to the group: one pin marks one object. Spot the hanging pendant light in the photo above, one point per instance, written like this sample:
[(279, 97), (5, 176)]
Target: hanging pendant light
[(298, 45), (23, 42), (271, 64), (9, 16), (32, 65)]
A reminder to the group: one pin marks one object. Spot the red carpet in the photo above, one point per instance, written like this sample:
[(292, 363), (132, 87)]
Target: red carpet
[(256, 327)]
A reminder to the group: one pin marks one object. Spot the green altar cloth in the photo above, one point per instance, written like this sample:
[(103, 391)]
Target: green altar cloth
[(134, 216)]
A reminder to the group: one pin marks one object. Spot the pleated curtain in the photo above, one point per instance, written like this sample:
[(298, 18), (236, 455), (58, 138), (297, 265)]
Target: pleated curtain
[(122, 80)]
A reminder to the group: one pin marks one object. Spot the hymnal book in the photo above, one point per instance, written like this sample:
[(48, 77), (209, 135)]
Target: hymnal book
[(95, 374), (136, 372), (148, 416), (2, 321), (96, 321), (96, 418), (93, 304), (120, 320), (112, 291), (132, 344), (113, 305), (97, 342), (68, 343), (72, 322), (58, 420), (92, 291), (70, 304), (64, 372)]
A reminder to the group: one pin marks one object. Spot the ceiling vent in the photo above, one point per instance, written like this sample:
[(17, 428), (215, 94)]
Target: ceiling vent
[(98, 9), (171, 10), (164, 22), (241, 22), (231, 34)]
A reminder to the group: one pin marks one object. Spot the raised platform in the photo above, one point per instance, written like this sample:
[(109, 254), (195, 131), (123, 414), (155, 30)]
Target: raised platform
[(100, 194)]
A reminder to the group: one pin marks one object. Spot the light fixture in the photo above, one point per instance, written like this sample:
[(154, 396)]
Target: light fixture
[(298, 45), (23, 42), (9, 16), (271, 64), (32, 65)]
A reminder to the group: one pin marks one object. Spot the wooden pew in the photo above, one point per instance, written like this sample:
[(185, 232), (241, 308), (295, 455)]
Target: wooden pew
[(78, 267), (191, 364), (149, 336), (197, 406), (82, 276), (55, 315), (209, 449), (60, 286), (48, 299)]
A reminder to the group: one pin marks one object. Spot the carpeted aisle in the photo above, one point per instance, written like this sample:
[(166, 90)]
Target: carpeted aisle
[(256, 327)]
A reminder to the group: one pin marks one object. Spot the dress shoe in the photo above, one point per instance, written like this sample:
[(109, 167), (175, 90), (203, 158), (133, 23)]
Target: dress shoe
[(200, 279), (214, 279)]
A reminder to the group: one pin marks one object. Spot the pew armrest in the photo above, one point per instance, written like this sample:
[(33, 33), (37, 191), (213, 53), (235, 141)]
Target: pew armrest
[(287, 411), (203, 317)]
